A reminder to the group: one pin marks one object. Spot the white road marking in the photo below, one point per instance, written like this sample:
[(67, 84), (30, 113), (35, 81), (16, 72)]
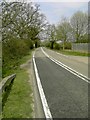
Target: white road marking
[(86, 79), (41, 92), (60, 54)]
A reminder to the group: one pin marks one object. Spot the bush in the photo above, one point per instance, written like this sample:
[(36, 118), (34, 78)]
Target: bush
[(37, 43), (56, 46), (67, 45), (13, 50), (47, 44), (29, 44)]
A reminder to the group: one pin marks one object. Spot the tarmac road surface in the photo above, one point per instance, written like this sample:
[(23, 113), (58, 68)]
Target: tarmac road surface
[(66, 94)]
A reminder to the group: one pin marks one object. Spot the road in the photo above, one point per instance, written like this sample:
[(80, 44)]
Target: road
[(66, 93), (78, 63)]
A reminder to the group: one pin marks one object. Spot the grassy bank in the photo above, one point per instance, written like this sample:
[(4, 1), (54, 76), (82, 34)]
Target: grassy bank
[(14, 64), (19, 103), (0, 61), (75, 53)]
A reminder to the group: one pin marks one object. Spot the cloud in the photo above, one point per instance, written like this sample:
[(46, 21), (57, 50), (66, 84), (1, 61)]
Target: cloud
[(48, 0), (55, 11), (60, 0), (68, 8)]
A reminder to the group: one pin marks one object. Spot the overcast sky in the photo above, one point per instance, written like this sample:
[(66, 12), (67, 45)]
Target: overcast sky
[(54, 10)]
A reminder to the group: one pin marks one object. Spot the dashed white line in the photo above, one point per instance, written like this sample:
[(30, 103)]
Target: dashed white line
[(86, 79), (42, 95)]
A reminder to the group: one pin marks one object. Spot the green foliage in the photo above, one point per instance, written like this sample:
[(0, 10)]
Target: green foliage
[(47, 44), (79, 23), (52, 44), (37, 43), (21, 20), (74, 29), (13, 50), (63, 28), (29, 43), (21, 25), (59, 46), (67, 45), (75, 53), (20, 97), (84, 39), (19, 101), (56, 46)]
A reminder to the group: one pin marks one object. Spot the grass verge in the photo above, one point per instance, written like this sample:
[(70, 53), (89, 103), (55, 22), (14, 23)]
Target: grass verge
[(0, 61), (19, 103), (75, 53)]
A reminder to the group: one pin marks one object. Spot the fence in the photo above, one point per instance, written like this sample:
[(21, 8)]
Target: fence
[(6, 82), (82, 47), (5, 87)]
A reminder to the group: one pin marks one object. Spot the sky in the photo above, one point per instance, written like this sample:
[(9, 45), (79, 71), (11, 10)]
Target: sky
[(54, 10)]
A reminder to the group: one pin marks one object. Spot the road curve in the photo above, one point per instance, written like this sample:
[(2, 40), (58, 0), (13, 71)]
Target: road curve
[(66, 94), (78, 63)]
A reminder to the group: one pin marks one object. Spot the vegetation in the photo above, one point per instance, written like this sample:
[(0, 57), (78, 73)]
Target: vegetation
[(62, 31), (21, 26), (75, 53), (68, 45), (75, 29), (0, 61), (58, 46), (20, 100), (71, 30), (52, 34), (79, 23)]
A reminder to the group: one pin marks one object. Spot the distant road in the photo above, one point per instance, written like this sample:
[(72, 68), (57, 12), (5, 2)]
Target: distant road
[(78, 63), (66, 93)]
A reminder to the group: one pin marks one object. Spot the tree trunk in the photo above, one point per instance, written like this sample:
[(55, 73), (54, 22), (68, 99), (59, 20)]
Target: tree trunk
[(52, 43)]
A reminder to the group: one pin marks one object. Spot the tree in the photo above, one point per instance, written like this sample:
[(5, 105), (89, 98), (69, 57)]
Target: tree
[(21, 19), (21, 25), (63, 28), (79, 23), (51, 33)]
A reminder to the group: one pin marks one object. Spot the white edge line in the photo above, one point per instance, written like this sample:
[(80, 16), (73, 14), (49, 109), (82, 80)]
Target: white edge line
[(69, 67), (66, 67), (41, 92)]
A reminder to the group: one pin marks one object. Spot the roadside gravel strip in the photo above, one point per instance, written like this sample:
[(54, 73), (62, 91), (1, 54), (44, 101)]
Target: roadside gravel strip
[(42, 96), (84, 78)]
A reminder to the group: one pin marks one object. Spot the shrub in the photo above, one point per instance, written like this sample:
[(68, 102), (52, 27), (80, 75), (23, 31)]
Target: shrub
[(67, 45), (29, 44), (13, 50), (56, 46), (47, 44)]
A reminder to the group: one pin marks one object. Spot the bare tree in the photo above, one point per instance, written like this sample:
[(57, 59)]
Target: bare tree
[(79, 23), (22, 20), (51, 31), (63, 28)]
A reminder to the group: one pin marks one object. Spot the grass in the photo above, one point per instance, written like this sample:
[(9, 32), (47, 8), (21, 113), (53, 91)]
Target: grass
[(20, 100), (13, 65), (75, 53), (0, 49), (0, 61), (25, 58)]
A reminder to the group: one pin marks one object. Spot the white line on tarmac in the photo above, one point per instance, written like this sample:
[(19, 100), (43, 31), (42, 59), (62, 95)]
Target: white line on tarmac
[(84, 78), (41, 92)]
